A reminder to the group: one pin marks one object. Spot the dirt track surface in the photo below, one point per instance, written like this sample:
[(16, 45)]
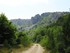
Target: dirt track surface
[(36, 48)]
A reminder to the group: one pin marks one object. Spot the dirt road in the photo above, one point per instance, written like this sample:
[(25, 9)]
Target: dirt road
[(36, 48)]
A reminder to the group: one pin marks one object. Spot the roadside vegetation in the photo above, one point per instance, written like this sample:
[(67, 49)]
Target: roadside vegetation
[(55, 37), (10, 38)]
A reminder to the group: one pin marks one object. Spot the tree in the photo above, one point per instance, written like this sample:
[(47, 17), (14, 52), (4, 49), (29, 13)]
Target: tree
[(7, 31), (66, 31), (23, 39)]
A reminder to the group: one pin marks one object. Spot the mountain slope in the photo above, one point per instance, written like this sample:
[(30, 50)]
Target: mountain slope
[(22, 22), (38, 20)]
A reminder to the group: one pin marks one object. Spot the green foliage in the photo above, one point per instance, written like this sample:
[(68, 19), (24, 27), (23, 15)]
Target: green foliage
[(45, 42), (52, 31), (61, 34), (38, 34), (56, 36), (7, 31), (68, 50), (23, 39)]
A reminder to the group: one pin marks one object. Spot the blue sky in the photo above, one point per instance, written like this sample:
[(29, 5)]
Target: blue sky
[(25, 9)]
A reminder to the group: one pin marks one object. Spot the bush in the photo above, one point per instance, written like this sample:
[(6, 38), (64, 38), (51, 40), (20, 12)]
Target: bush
[(68, 50), (23, 39)]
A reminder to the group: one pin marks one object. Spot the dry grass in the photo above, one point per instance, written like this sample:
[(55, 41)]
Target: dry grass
[(46, 50), (13, 50), (4, 50), (19, 50)]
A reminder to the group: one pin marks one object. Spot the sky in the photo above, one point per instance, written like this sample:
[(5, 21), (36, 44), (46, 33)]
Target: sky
[(25, 9)]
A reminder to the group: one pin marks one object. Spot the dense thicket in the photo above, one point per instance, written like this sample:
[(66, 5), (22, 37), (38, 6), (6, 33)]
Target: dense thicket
[(7, 31), (9, 36), (23, 39), (56, 36)]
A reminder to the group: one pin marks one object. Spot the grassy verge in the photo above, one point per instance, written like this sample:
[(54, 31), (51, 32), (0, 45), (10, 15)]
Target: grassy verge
[(20, 49), (46, 51), (4, 50), (14, 50)]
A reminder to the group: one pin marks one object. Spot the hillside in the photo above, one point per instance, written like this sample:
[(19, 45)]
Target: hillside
[(21, 22), (44, 19), (52, 31)]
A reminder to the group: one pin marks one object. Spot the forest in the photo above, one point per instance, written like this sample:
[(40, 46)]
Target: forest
[(51, 30)]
